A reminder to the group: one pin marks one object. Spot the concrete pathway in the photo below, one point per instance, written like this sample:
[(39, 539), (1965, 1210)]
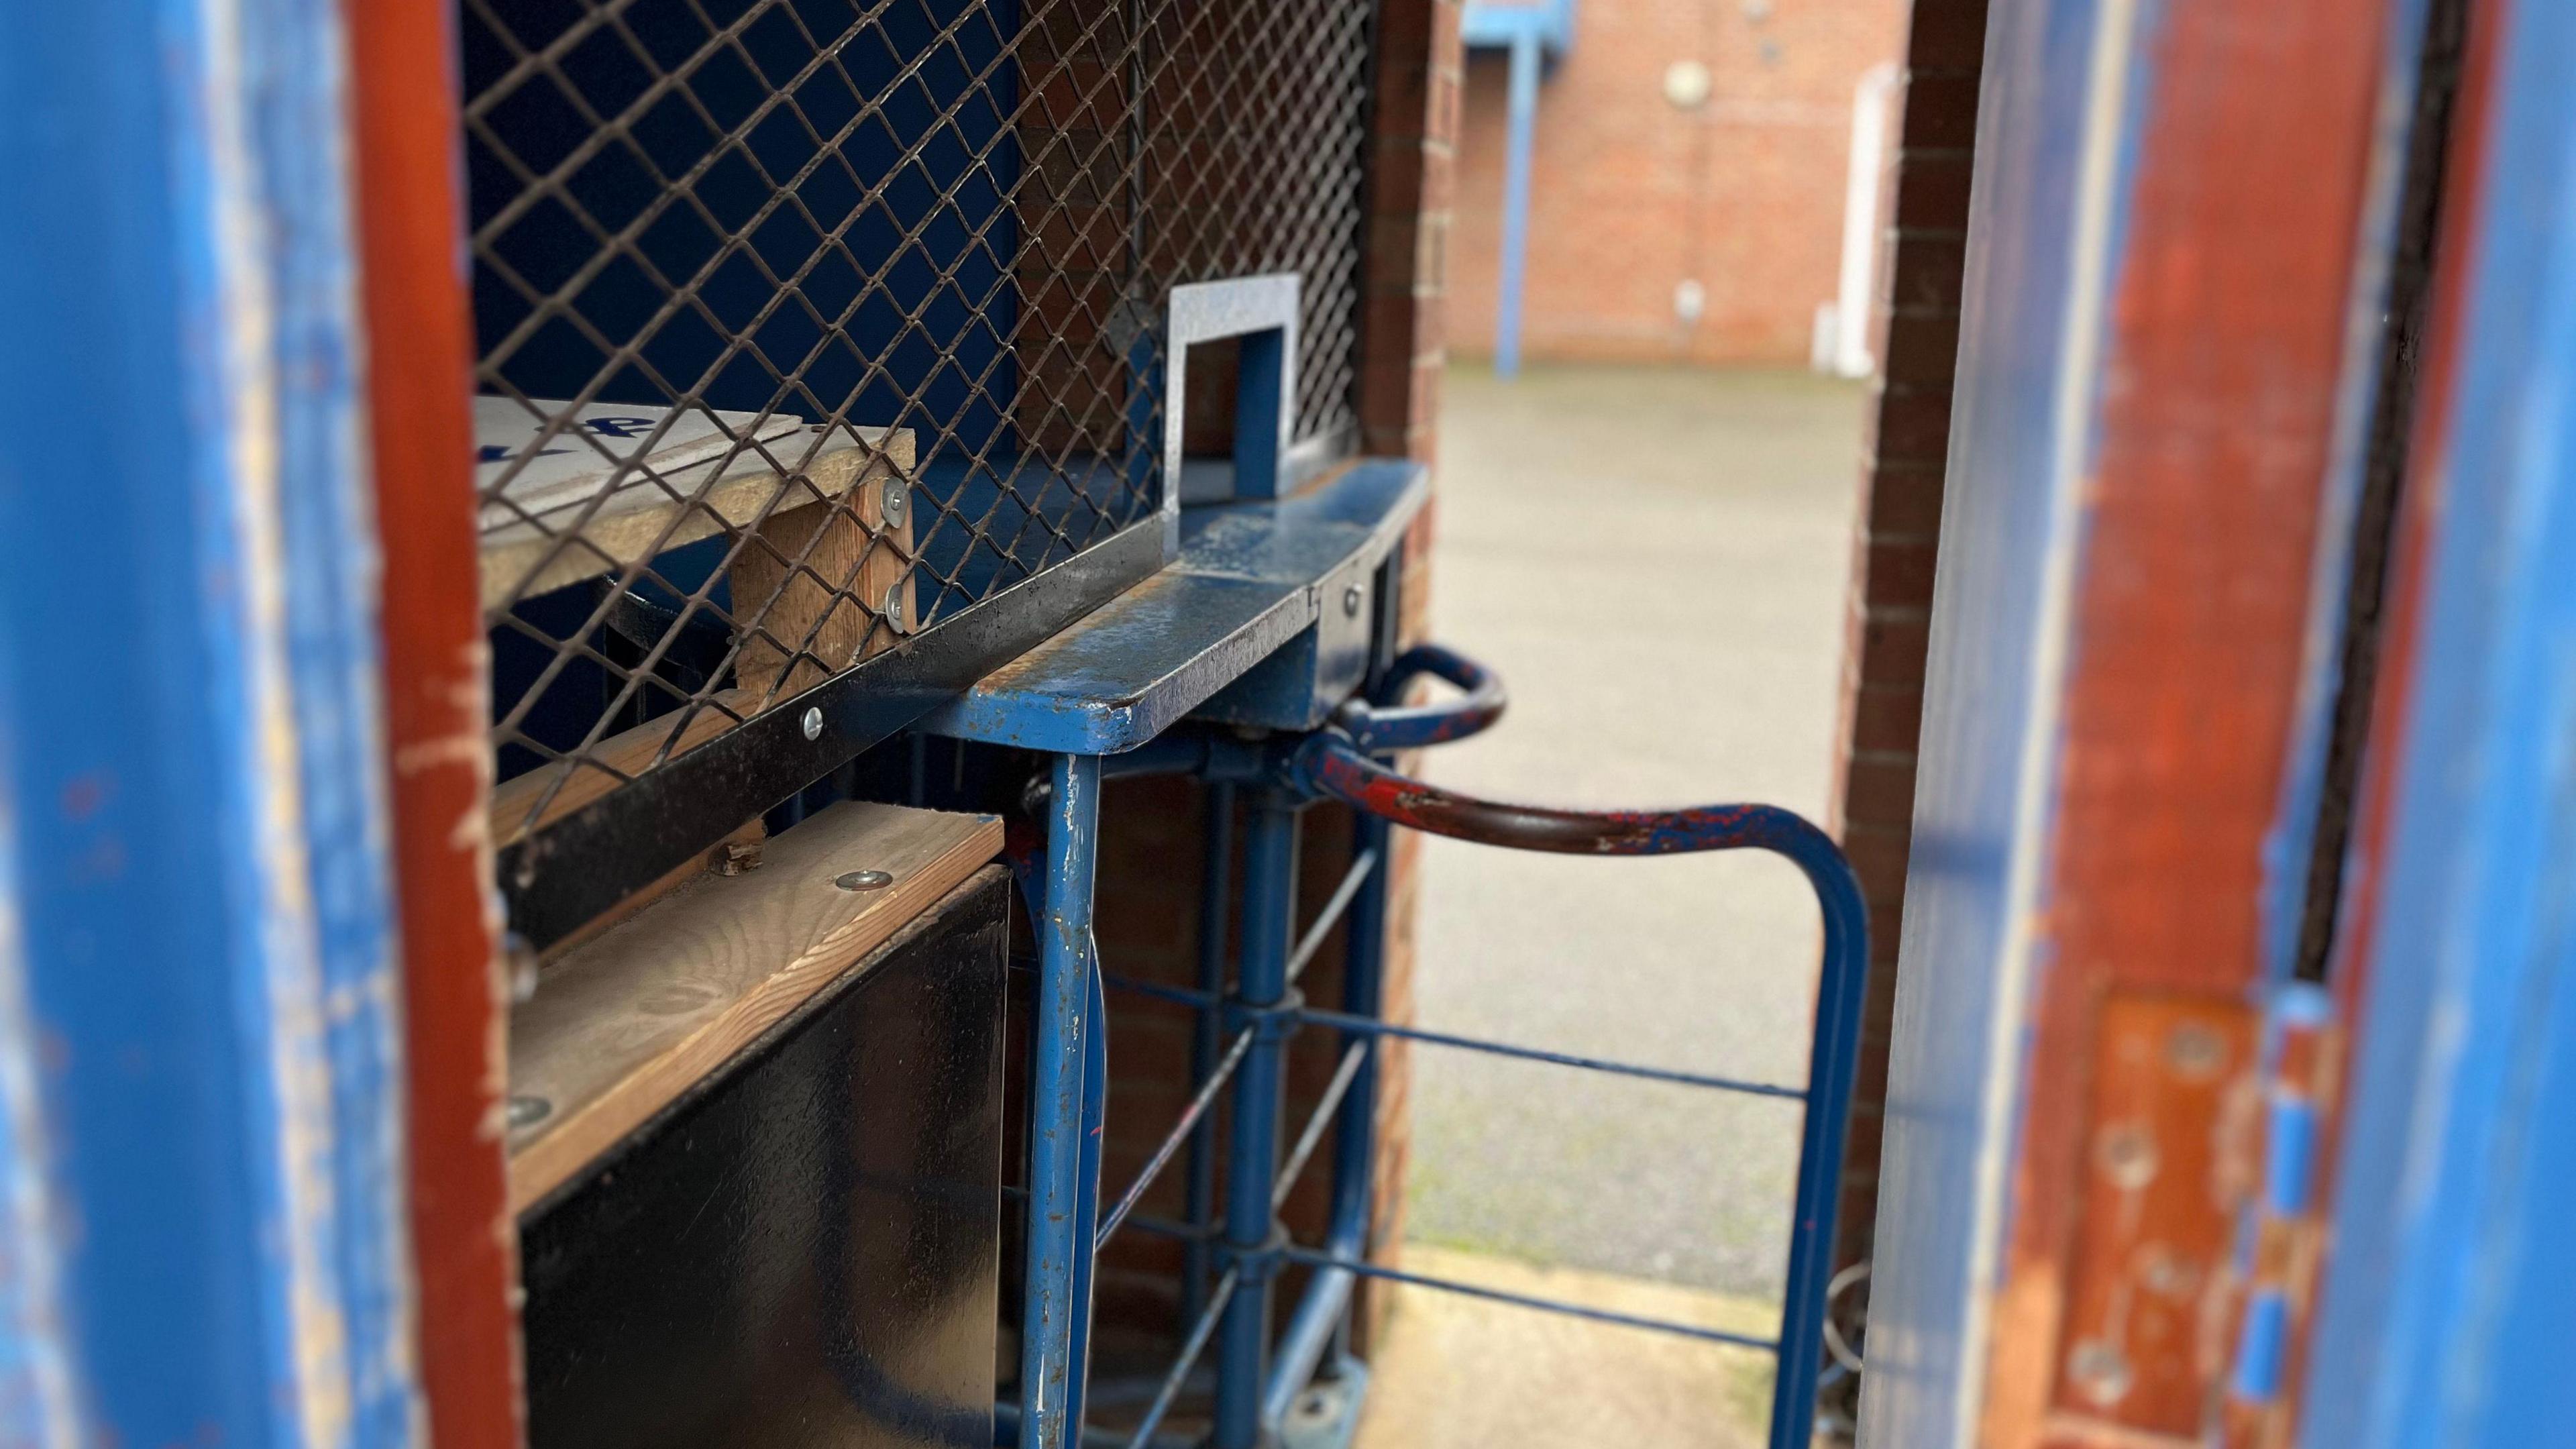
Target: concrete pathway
[(1458, 1373), (1656, 560)]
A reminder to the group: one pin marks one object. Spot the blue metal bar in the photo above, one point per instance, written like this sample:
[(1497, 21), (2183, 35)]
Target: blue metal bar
[(204, 1215), (1086, 1211), (1360, 1025), (1330, 1262), (1056, 1108), (1186, 1129), (1269, 916), (1330, 916), (1216, 883), (1197, 1344), (1350, 1228), (1327, 1108), (1520, 140)]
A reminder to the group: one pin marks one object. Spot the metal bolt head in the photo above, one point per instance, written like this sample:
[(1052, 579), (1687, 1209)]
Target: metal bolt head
[(897, 595), (1352, 598), (898, 498), (863, 880), (519, 961), (527, 1112), (813, 722)]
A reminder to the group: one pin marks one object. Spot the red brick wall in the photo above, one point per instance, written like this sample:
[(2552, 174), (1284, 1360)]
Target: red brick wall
[(1903, 456), (1630, 195)]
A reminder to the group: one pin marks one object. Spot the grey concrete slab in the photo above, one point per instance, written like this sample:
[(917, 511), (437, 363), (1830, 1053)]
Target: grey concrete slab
[(1657, 562)]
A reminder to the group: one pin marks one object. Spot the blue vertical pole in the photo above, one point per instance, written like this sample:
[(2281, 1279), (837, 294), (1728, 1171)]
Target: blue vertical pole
[(1260, 1085), (1841, 987), (1521, 137), (1060, 1038), (1216, 886), (204, 1215), (1324, 1312)]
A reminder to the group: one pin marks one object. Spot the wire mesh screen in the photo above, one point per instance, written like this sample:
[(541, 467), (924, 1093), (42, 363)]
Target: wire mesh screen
[(808, 325)]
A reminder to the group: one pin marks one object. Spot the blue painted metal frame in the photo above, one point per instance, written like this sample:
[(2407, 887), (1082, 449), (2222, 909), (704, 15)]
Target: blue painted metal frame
[(1258, 1381), (2445, 1306), (205, 1193)]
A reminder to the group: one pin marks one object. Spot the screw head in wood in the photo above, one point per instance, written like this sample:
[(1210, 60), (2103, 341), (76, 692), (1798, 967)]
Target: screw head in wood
[(813, 722), (863, 880), (526, 1112), (1352, 598)]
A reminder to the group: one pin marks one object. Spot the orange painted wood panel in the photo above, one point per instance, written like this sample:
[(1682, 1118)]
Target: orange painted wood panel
[(420, 356)]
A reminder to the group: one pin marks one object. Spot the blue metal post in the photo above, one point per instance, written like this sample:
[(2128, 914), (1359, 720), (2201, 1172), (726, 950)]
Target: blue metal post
[(1840, 986), (1269, 912), (202, 1208), (1056, 1111), (1216, 886), (1325, 1309), (1520, 138)]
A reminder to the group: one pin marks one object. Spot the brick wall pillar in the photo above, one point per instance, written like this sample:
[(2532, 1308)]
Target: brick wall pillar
[(1904, 453)]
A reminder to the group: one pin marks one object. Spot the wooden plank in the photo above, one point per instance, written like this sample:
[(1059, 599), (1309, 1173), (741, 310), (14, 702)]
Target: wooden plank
[(640, 518), (625, 1024), (817, 584)]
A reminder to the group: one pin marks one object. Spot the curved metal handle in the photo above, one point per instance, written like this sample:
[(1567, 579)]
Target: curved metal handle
[(1381, 724)]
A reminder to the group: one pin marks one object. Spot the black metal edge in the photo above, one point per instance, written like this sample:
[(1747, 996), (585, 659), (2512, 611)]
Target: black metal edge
[(980, 902), (568, 874)]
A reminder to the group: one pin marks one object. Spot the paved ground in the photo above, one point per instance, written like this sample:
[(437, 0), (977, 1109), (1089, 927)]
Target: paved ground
[(1656, 561), (1570, 1384)]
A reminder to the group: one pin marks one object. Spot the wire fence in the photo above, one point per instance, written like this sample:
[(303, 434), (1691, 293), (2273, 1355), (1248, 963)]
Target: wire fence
[(808, 326)]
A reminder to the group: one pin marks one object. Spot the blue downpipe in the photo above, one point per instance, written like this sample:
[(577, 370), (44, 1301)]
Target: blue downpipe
[(1060, 1047), (1216, 884), (1520, 138), (1269, 909), (1321, 1312)]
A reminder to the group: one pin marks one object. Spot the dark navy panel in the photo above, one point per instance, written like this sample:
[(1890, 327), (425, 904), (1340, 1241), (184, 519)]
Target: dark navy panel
[(805, 1252)]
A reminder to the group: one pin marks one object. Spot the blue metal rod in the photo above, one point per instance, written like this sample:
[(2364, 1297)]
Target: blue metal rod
[(1086, 1210), (1520, 140), (1047, 1368), (1330, 1262), (1350, 1232), (1190, 1351), (1345, 1021), (1322, 1117), (1269, 918), (1331, 914), (1216, 885), (1182, 1131)]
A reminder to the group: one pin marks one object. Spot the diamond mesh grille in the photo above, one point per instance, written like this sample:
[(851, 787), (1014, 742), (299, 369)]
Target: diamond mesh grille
[(806, 325)]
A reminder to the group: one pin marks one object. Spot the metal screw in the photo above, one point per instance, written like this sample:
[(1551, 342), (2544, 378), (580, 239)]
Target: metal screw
[(519, 960), (898, 497), (813, 722), (1352, 598), (2195, 1051), (2101, 1371), (526, 1112), (863, 880), (894, 601)]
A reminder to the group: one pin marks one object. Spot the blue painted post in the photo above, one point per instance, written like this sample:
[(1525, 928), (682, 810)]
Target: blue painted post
[(201, 1179), (1324, 1313), (1841, 985), (1520, 139), (1056, 1110), (1269, 911)]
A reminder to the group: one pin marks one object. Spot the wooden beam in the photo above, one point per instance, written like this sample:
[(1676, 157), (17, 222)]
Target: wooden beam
[(628, 1022)]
